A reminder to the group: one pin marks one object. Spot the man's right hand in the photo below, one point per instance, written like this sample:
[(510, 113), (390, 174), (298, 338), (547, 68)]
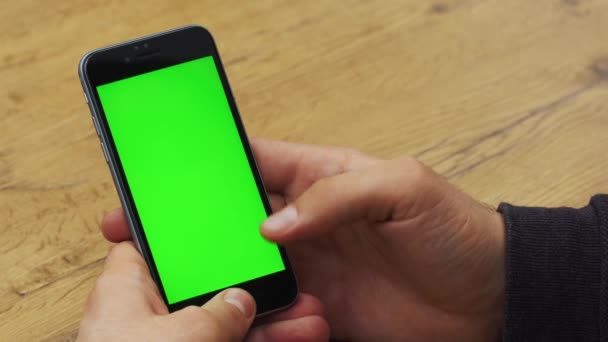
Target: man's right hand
[(393, 251)]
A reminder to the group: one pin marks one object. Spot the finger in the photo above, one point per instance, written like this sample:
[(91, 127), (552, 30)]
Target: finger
[(231, 311), (125, 261), (114, 226), (303, 329), (305, 305), (126, 279), (377, 194), (277, 202), (286, 165), (276, 161), (123, 254)]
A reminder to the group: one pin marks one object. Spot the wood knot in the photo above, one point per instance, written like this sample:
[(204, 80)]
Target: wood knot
[(600, 68), (439, 8), (15, 97)]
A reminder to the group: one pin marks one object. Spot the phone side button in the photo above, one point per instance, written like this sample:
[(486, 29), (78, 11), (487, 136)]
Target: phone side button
[(97, 128), (105, 152), (86, 98)]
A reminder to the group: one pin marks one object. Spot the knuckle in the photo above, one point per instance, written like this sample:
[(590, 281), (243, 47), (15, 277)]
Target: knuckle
[(414, 171), (345, 160), (410, 162), (349, 156), (324, 185), (195, 314)]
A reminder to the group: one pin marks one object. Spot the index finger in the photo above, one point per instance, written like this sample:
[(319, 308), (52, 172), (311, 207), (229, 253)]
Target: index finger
[(276, 161), (285, 167)]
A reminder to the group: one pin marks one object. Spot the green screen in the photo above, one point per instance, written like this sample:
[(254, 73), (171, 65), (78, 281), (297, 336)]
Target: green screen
[(190, 178)]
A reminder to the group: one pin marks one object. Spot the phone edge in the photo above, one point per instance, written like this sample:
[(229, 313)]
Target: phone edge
[(111, 163)]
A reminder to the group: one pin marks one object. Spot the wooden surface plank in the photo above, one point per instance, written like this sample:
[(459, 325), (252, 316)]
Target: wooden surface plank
[(504, 98)]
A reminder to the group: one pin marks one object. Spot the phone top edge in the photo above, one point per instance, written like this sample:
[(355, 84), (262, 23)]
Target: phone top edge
[(87, 56)]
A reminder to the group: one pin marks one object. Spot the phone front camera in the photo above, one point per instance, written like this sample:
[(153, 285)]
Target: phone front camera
[(127, 59)]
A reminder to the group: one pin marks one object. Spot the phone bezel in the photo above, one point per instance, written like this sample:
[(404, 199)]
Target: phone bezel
[(272, 292)]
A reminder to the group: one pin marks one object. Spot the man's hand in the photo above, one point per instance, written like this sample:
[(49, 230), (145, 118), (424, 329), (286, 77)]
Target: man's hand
[(125, 305), (392, 250)]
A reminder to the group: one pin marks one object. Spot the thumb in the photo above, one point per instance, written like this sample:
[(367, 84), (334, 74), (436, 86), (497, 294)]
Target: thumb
[(225, 317), (377, 194)]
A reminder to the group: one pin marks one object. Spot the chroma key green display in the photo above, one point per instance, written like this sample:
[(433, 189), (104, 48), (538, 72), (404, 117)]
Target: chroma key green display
[(190, 179)]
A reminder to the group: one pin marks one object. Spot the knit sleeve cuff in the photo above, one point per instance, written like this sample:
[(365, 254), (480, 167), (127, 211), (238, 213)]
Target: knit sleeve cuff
[(553, 273)]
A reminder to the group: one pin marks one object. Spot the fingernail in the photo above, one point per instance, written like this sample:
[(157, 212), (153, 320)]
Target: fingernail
[(241, 299), (281, 220)]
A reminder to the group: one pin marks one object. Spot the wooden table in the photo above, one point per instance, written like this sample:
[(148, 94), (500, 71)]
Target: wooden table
[(507, 99)]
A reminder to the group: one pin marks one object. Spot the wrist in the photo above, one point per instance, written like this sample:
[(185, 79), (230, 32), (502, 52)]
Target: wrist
[(490, 261), (498, 229)]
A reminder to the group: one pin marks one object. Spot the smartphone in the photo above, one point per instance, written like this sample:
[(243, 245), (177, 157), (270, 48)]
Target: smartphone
[(171, 134)]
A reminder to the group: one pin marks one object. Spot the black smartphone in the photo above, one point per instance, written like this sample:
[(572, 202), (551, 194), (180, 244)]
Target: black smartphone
[(183, 168)]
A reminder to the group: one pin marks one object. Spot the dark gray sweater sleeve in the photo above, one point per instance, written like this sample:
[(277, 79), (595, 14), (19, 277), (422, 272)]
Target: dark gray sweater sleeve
[(556, 273)]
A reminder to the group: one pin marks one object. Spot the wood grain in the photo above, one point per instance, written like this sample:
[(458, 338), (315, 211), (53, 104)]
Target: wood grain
[(504, 98)]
